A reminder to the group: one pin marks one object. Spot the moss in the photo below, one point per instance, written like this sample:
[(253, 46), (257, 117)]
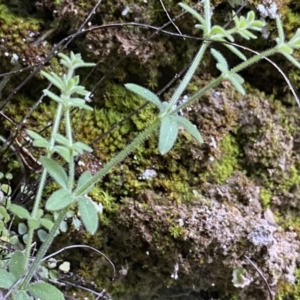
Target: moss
[(177, 231), (108, 202), (18, 34), (288, 290), (265, 197), (222, 168)]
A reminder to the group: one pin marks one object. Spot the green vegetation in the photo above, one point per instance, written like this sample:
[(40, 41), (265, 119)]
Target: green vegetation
[(81, 198)]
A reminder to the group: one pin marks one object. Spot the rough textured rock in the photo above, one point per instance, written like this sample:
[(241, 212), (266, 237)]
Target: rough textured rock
[(186, 229)]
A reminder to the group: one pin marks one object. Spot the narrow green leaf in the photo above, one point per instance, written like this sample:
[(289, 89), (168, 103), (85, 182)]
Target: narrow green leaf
[(235, 79), (294, 42), (19, 211), (168, 134), (80, 90), (257, 25), (144, 93), (46, 223), (7, 279), (285, 48), (291, 59), (80, 103), (221, 68), (281, 37), (246, 34), (220, 59), (220, 32), (193, 12), (201, 27), (242, 22), (83, 179), (39, 141), (52, 96), (65, 59), (59, 200), (189, 127), (236, 52), (61, 139), (80, 147), (56, 171), (54, 79), (238, 78), (250, 16), (45, 291), (17, 264), (235, 19), (70, 83), (88, 214), (64, 152)]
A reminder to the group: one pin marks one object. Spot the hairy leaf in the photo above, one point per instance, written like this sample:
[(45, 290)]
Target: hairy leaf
[(39, 141), (19, 211), (45, 291), (236, 51), (59, 200), (83, 179), (52, 96), (17, 264), (194, 13), (237, 82), (223, 66), (7, 279), (189, 127), (168, 134), (46, 223), (56, 171), (144, 93), (80, 147), (88, 214), (61, 139), (54, 79), (22, 295)]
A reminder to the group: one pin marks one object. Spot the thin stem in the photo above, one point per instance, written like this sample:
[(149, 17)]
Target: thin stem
[(207, 15), (253, 60), (222, 77), (44, 248), (70, 138), (199, 94), (42, 184), (188, 76), (112, 163), (119, 157)]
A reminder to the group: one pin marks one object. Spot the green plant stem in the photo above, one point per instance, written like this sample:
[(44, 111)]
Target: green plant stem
[(222, 77), (42, 185), (207, 16), (112, 163), (44, 248), (119, 157), (196, 62), (70, 138), (188, 76)]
